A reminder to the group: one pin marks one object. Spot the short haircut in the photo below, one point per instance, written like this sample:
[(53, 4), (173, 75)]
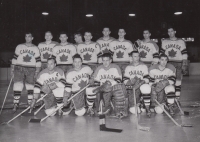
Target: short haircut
[(26, 33), (135, 51), (78, 33), (77, 56), (63, 33), (106, 27), (163, 55), (171, 27), (107, 55), (122, 29), (88, 32), (49, 32), (147, 30), (52, 58)]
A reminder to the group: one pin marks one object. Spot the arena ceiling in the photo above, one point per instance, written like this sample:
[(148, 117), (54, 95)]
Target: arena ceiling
[(18, 16)]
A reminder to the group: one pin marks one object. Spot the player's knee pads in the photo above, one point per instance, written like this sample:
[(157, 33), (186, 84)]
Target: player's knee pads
[(29, 86), (132, 110), (169, 89), (58, 92), (50, 110), (158, 109), (80, 112), (18, 86), (145, 89)]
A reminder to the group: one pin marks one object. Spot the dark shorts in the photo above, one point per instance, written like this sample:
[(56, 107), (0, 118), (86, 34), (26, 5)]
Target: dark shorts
[(24, 74)]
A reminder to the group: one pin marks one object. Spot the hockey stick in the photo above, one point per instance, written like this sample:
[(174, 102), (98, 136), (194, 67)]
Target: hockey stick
[(40, 120), (136, 113), (35, 113), (176, 123), (182, 112), (6, 94), (23, 111)]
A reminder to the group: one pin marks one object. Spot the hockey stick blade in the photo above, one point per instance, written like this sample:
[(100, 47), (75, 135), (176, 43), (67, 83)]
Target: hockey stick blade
[(35, 120), (186, 125), (110, 129)]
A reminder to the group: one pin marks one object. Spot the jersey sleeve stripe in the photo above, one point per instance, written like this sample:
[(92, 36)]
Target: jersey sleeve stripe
[(162, 51), (172, 78), (155, 55), (38, 59), (37, 85), (184, 51), (62, 81), (118, 80), (15, 56), (68, 85), (125, 78)]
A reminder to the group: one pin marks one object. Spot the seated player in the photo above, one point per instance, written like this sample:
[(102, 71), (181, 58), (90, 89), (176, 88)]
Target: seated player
[(77, 78), (136, 76), (109, 77), (51, 81), (162, 81)]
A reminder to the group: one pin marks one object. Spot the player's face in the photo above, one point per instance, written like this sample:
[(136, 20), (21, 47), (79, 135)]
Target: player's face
[(171, 33), (77, 38), (77, 63), (106, 61), (121, 33), (135, 57), (63, 38), (51, 65), (106, 32), (48, 36), (163, 61), (28, 38), (146, 34), (88, 37)]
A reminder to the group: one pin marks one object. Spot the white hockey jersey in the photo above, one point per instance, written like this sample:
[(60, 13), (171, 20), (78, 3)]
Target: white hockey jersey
[(168, 73), (45, 78), (46, 50), (174, 49), (104, 44), (140, 70), (64, 53), (27, 56), (121, 50), (76, 80), (112, 74), (89, 52), (149, 52)]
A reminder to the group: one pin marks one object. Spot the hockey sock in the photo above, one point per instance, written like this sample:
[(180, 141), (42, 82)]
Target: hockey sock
[(103, 125), (171, 98), (90, 99), (146, 99), (30, 96), (59, 101), (178, 91), (17, 95)]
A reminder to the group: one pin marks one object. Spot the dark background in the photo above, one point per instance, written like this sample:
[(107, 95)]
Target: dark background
[(19, 16)]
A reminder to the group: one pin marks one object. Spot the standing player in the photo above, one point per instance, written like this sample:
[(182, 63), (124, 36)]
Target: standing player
[(105, 40), (162, 80), (109, 77), (46, 48), (120, 49), (25, 67), (51, 80), (175, 49), (135, 75), (89, 51), (78, 38), (64, 53), (77, 78), (148, 49)]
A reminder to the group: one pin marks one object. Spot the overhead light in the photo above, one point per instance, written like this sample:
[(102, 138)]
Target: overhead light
[(89, 15), (131, 14), (45, 13), (178, 13)]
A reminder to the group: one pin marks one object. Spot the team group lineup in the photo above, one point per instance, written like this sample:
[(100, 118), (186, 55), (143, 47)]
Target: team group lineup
[(109, 73)]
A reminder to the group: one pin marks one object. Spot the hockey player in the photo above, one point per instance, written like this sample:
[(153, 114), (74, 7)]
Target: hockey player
[(64, 53), (77, 78), (51, 81), (46, 48), (176, 51), (109, 77), (162, 81), (105, 40), (148, 49), (25, 67), (78, 38), (120, 49), (89, 51), (136, 76)]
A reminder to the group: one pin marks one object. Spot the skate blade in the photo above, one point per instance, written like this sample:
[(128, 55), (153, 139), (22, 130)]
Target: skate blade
[(143, 128), (34, 120)]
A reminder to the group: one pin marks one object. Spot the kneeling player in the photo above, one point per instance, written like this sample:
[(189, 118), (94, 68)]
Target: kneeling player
[(136, 76), (77, 78), (162, 80), (105, 75), (51, 81)]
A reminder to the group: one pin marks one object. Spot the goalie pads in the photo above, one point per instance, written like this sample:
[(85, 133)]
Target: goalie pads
[(185, 65), (138, 83), (161, 85), (45, 88), (49, 101), (52, 86), (106, 98), (106, 87), (79, 101), (66, 97), (131, 82)]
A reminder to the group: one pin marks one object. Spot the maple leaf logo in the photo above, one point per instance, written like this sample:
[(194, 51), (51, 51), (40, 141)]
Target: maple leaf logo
[(82, 84), (120, 54), (172, 53), (27, 58), (46, 55), (63, 58), (87, 57), (105, 50), (143, 54)]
